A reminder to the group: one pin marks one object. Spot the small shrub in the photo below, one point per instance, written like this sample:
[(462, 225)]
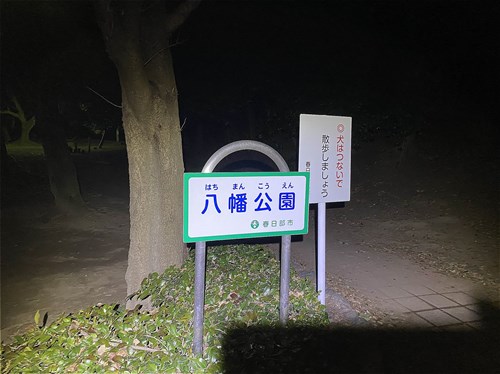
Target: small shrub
[(242, 289)]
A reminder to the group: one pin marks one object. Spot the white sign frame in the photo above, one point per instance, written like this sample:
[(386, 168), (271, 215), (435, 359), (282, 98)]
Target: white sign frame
[(325, 152)]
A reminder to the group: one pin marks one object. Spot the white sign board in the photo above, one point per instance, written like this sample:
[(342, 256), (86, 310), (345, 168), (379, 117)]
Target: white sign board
[(325, 152), (220, 206)]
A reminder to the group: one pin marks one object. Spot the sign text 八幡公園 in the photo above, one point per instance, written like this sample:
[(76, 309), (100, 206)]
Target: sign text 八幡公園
[(219, 206)]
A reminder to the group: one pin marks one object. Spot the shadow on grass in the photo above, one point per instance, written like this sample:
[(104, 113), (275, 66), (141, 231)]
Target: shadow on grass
[(342, 350)]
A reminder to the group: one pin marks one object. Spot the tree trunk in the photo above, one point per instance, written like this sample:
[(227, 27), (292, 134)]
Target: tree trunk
[(155, 169), (137, 42), (4, 165), (101, 142), (26, 127), (61, 169)]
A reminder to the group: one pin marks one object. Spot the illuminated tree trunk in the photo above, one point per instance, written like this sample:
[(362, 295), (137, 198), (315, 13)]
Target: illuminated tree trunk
[(137, 42), (155, 168)]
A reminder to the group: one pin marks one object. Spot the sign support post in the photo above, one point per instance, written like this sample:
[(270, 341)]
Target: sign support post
[(325, 152), (199, 295), (321, 277), (286, 243), (200, 255)]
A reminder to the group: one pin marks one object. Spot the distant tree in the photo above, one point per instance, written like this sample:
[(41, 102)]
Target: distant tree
[(137, 34), (26, 123), (39, 62), (4, 164)]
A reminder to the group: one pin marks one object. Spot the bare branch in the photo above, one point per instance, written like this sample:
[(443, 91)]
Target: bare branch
[(18, 106), (19, 114), (102, 97), (146, 349), (180, 14), (160, 51), (11, 113), (136, 347)]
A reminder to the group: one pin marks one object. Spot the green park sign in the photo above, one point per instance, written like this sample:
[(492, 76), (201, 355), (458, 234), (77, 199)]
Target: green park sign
[(223, 206)]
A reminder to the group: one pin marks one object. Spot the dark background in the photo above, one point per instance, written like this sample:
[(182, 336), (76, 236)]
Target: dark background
[(246, 70), (418, 75)]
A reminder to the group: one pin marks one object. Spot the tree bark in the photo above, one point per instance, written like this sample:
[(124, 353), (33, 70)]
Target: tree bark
[(137, 42), (155, 169), (63, 178)]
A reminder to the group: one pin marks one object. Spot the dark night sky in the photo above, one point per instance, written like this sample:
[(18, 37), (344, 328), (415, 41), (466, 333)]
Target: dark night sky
[(422, 61), (407, 59), (377, 47)]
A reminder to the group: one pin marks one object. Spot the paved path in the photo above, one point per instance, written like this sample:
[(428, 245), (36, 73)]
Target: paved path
[(398, 287)]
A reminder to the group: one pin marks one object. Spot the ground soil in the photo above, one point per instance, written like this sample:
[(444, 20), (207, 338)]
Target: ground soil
[(435, 208), (58, 264)]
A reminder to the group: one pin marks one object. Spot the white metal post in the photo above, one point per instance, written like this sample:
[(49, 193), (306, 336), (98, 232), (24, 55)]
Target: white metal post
[(200, 254), (199, 297), (320, 276)]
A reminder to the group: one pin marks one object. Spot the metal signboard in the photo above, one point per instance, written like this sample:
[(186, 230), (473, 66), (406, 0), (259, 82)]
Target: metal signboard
[(221, 206), (325, 152)]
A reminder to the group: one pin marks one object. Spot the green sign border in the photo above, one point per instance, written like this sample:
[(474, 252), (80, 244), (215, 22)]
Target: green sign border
[(188, 176)]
